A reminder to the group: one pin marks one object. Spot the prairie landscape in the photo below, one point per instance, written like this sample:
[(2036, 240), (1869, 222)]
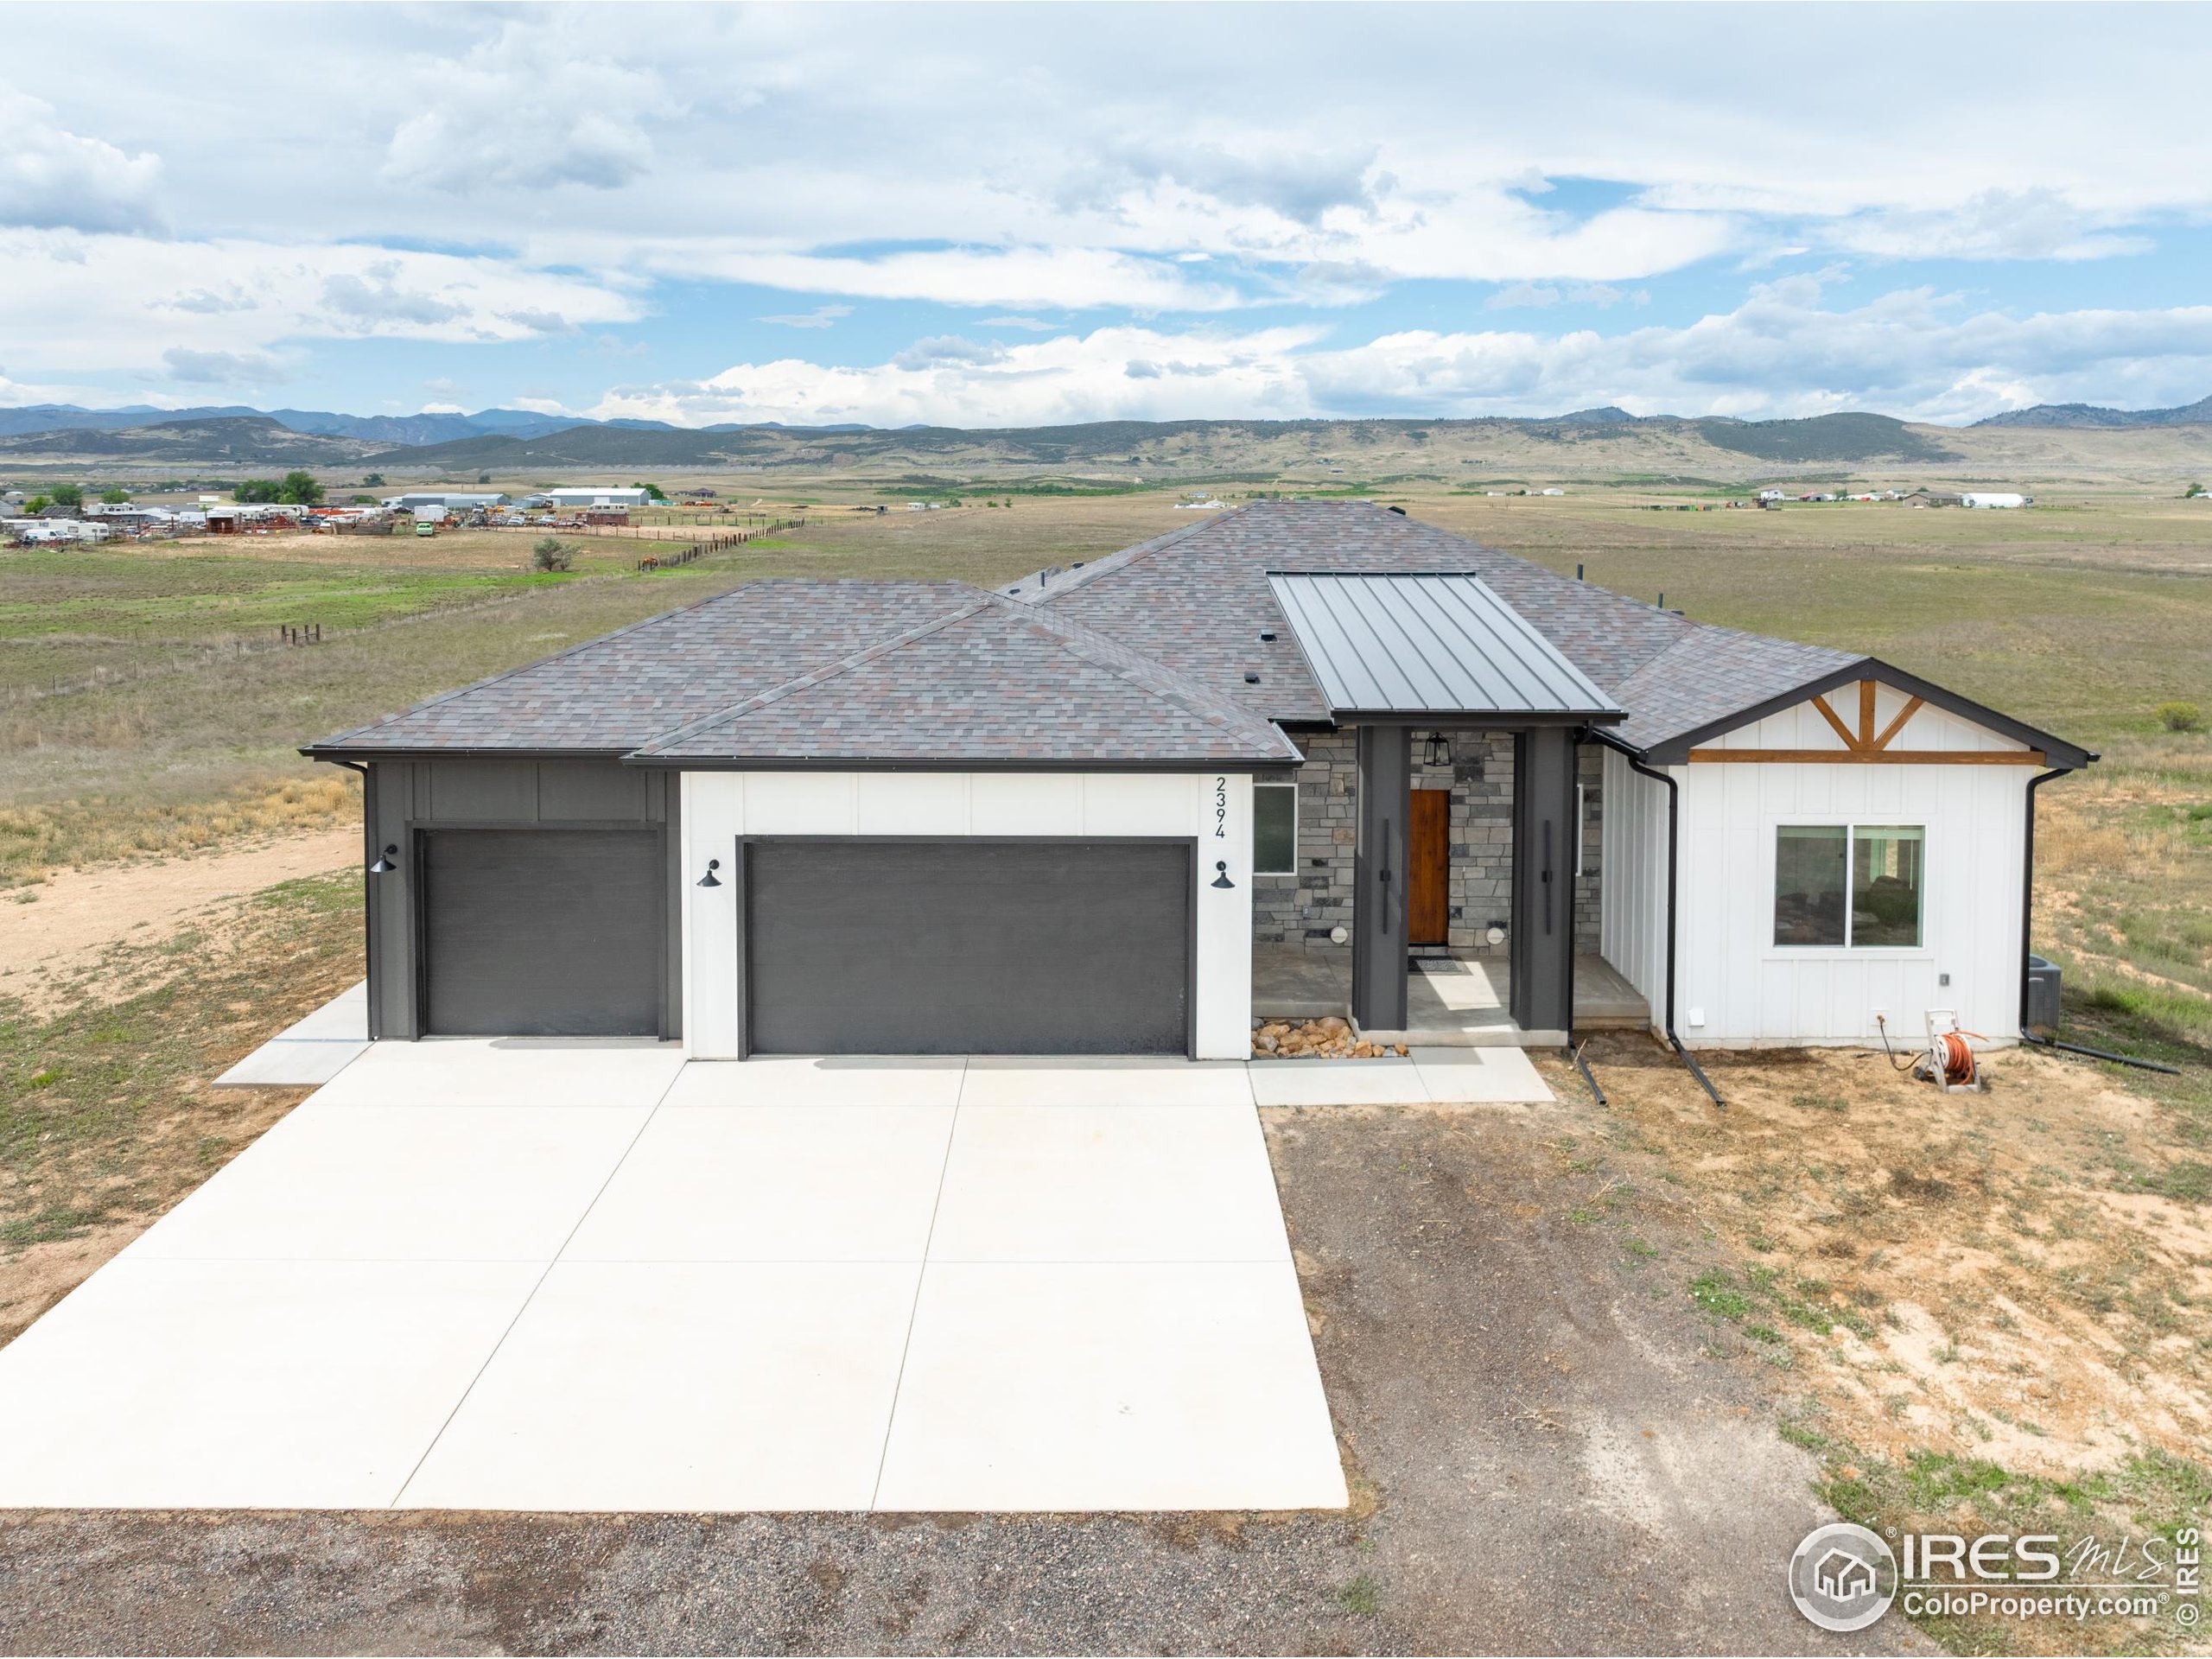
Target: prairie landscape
[(1989, 1306)]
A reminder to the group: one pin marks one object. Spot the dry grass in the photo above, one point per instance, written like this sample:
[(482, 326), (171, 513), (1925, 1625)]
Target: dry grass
[(106, 1119), (2124, 862), (1975, 1302), (36, 840)]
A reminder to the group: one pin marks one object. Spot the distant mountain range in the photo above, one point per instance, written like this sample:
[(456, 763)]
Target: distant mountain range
[(2196, 414), (509, 441), (387, 429)]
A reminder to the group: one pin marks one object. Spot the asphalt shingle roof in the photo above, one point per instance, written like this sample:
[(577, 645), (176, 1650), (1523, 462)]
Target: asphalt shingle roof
[(610, 694), (795, 670), (1197, 600), (994, 681)]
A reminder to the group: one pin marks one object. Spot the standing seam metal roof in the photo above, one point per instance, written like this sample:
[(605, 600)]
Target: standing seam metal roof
[(1428, 643)]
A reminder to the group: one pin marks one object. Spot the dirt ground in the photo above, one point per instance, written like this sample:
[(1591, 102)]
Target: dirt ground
[(2023, 1276), (1551, 1450), (59, 929)]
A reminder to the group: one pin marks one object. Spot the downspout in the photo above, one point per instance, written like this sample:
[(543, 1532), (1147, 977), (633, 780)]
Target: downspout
[(2028, 888), (1674, 850), (1574, 913)]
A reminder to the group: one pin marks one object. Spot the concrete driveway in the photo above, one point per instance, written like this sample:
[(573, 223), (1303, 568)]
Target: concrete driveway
[(587, 1276)]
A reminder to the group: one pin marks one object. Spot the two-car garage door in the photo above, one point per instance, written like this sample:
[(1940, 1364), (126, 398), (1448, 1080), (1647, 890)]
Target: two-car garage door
[(880, 946)]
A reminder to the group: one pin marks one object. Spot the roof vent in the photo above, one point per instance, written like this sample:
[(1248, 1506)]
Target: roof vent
[(1267, 636), (1401, 512), (1251, 680), (1078, 565)]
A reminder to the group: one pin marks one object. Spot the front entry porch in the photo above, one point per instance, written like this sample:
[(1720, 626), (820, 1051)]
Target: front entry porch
[(1449, 1003)]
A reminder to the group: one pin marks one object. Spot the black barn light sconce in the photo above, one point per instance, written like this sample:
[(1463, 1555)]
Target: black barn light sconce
[(1221, 879), (710, 880), (1436, 752), (387, 860)]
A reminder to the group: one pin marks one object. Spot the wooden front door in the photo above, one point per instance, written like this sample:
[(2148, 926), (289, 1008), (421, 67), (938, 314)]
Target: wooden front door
[(1428, 879)]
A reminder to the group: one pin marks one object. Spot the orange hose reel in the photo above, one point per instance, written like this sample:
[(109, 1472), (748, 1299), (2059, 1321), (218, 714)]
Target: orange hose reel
[(1956, 1055)]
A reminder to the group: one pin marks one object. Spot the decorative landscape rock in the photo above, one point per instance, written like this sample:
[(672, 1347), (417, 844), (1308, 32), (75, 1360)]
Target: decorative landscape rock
[(1325, 1039)]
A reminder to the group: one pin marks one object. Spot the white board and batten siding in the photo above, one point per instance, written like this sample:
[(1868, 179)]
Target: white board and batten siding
[(1734, 986), (1213, 808)]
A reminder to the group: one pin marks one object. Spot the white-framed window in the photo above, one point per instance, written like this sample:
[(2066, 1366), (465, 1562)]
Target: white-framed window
[(1850, 885), (1274, 829)]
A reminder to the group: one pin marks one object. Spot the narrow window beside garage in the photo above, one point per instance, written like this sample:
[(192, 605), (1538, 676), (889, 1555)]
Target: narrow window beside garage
[(1854, 885), (1274, 829)]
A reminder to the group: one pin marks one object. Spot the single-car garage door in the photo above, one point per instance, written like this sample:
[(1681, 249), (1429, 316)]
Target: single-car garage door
[(967, 947), (541, 932)]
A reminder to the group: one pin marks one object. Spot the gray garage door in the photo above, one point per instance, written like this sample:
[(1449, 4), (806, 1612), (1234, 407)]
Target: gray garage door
[(541, 932), (975, 947)]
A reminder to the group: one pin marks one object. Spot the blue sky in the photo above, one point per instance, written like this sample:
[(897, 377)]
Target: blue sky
[(1014, 215)]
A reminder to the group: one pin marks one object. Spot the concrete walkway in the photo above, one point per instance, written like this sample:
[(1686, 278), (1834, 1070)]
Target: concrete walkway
[(519, 1274)]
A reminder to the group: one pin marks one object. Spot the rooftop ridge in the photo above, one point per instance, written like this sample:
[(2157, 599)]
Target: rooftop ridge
[(1120, 559)]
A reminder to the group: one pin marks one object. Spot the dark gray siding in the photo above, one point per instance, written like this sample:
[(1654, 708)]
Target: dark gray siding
[(406, 796)]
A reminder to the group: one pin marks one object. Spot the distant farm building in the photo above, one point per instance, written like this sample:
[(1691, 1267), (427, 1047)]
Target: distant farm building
[(596, 495), (451, 500), (1995, 499)]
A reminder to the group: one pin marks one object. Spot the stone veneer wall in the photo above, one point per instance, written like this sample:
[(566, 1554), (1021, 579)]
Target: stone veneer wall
[(1303, 909)]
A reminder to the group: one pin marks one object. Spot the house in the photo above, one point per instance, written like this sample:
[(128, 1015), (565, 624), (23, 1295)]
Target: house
[(1120, 807)]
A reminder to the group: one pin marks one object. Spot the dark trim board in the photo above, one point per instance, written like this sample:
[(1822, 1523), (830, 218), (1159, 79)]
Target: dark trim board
[(745, 880), (786, 763)]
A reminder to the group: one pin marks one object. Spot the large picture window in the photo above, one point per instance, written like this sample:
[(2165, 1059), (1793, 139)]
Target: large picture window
[(1274, 829), (1853, 885)]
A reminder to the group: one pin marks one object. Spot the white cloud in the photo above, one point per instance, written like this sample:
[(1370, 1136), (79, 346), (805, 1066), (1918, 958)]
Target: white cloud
[(2037, 224), (1061, 278), (52, 178), (1516, 295), (224, 368), (823, 316), (1910, 353), (537, 105), (87, 304), (1040, 383)]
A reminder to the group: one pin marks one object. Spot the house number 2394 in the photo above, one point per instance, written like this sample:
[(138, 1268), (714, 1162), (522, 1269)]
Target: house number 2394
[(1221, 809)]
